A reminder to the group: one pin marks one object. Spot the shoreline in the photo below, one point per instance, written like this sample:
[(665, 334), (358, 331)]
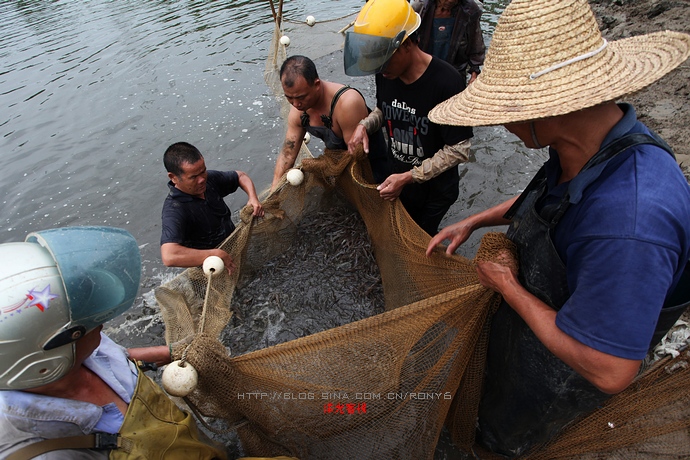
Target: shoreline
[(662, 106)]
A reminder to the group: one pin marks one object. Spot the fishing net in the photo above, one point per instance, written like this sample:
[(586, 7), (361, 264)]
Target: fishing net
[(383, 386)]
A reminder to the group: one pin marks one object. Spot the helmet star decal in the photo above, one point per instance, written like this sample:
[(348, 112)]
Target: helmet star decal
[(40, 299)]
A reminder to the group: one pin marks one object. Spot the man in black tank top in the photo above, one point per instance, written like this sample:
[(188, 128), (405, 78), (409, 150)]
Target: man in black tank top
[(325, 109)]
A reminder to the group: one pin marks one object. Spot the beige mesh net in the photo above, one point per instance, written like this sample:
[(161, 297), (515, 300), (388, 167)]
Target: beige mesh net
[(383, 387)]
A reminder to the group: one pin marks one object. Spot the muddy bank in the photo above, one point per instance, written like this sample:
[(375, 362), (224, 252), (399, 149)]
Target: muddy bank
[(664, 105)]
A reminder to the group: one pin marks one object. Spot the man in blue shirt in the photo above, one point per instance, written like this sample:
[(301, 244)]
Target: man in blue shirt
[(602, 231), (195, 217)]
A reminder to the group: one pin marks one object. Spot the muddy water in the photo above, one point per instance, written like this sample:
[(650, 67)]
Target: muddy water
[(327, 278)]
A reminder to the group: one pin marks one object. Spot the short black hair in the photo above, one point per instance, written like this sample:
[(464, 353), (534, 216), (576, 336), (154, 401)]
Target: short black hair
[(179, 153), (298, 66)]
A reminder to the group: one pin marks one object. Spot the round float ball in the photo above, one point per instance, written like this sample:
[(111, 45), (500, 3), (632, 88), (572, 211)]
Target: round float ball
[(307, 138), (310, 20), (179, 379), (213, 265), (285, 40), (295, 176)]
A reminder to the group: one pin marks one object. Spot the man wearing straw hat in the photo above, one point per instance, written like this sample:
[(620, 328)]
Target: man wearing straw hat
[(409, 82), (602, 231)]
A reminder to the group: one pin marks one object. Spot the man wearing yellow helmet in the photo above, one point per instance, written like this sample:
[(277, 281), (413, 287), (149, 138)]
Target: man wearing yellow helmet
[(423, 156)]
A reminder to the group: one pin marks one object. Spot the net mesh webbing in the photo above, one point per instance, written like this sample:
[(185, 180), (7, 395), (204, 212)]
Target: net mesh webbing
[(399, 369), (405, 372)]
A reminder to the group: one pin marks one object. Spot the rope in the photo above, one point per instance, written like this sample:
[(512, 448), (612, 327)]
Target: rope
[(202, 321), (197, 413), (292, 21), (203, 312)]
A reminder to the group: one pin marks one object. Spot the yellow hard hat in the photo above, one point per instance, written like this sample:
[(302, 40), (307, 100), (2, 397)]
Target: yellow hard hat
[(381, 26), (387, 18)]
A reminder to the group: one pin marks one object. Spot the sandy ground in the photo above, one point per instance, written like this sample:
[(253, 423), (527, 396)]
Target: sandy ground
[(664, 106)]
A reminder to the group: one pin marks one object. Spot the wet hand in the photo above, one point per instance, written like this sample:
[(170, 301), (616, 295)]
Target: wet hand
[(227, 260), (473, 77), (498, 275), (457, 233), (258, 208), (391, 188), (359, 136)]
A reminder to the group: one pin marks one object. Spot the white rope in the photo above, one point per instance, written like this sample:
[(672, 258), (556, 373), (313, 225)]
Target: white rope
[(570, 61)]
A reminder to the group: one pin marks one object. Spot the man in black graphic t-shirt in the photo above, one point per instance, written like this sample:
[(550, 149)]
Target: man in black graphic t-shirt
[(409, 83)]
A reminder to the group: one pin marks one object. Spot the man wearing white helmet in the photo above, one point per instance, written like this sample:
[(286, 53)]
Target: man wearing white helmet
[(66, 390), (423, 155), (602, 231)]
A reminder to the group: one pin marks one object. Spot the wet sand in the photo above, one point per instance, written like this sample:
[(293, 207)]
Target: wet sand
[(664, 105)]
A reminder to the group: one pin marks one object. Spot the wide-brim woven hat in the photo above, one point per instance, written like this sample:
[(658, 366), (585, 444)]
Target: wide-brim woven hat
[(548, 58)]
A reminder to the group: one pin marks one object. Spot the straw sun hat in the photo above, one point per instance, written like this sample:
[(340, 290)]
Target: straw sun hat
[(548, 58)]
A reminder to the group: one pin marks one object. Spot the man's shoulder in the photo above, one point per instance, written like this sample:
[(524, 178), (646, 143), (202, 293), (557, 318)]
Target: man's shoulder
[(174, 199), (351, 95), (347, 99), (472, 7), (295, 116), (221, 183), (216, 175)]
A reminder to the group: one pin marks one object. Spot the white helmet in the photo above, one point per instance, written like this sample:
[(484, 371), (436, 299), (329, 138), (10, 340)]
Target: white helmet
[(55, 287)]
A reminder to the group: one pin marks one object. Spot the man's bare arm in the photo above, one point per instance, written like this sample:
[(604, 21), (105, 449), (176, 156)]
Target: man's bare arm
[(157, 354), (247, 185), (176, 255), (608, 373), (350, 109), (291, 146)]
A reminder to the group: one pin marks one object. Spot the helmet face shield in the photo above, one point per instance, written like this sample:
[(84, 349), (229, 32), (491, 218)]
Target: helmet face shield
[(380, 28), (368, 54), (100, 267)]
